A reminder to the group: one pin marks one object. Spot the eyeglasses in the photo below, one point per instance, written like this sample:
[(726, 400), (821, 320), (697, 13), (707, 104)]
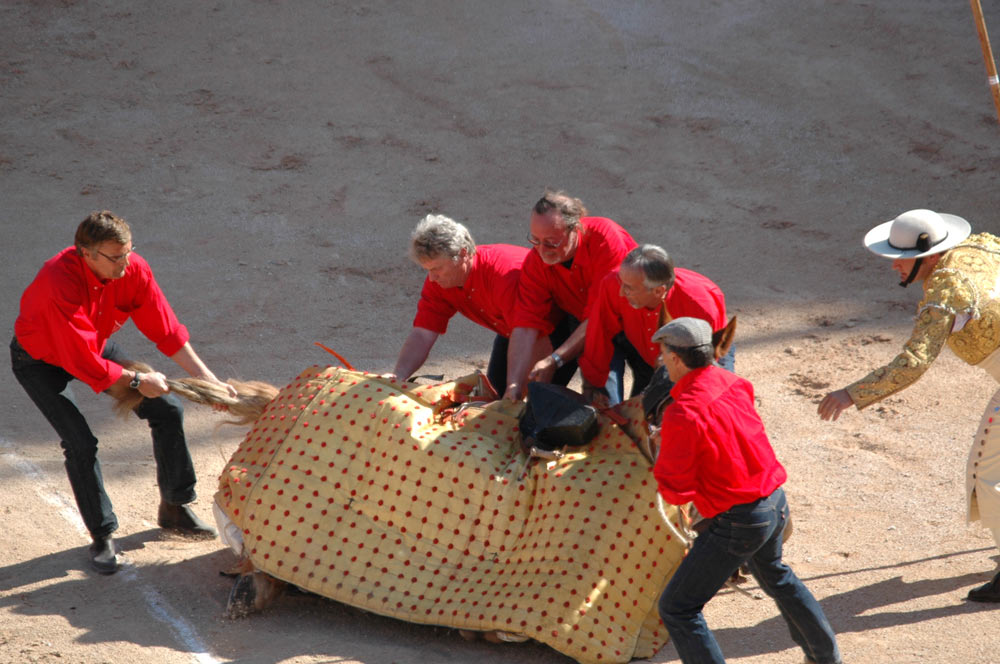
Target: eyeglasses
[(117, 259), (548, 244)]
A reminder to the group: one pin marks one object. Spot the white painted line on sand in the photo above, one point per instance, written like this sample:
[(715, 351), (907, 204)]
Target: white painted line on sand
[(63, 503), (159, 608)]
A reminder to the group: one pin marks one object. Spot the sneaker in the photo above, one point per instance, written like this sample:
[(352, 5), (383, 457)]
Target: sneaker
[(102, 555), (988, 592), (181, 519)]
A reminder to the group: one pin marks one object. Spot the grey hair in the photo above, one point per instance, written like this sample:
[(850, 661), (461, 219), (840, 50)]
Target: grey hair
[(437, 235), (655, 264)]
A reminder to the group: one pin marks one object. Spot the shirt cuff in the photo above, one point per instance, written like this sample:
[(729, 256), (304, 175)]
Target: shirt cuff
[(174, 341)]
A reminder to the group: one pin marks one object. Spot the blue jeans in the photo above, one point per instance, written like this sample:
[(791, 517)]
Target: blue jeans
[(625, 353), (744, 534), (48, 386)]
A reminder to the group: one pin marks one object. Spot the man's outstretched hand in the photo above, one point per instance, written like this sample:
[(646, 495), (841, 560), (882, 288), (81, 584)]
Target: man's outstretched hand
[(833, 404)]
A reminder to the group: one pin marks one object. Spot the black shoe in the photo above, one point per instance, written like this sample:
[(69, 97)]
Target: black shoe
[(988, 592), (181, 519), (102, 555)]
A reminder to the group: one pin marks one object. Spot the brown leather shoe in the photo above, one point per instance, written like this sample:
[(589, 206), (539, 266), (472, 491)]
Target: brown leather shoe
[(181, 519), (988, 592), (102, 555)]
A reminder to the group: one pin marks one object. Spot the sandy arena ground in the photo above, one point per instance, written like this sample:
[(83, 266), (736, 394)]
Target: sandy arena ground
[(273, 156)]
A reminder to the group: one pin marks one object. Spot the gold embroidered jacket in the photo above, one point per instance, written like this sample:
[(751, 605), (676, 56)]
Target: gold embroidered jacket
[(964, 286)]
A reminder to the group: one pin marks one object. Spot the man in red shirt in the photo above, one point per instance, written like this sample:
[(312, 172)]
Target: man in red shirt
[(478, 282), (79, 298), (634, 301), (714, 452), (573, 253)]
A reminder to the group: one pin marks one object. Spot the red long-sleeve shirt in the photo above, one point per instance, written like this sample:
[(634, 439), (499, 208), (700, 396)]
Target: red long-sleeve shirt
[(68, 313), (714, 450), (487, 297), (602, 246), (692, 294)]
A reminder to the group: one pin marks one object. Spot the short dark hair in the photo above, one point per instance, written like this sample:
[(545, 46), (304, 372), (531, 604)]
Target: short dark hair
[(103, 226), (694, 357), (568, 208), (655, 264)]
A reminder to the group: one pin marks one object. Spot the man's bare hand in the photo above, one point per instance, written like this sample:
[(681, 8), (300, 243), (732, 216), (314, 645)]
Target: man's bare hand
[(833, 404), (231, 391), (543, 371), (595, 397), (153, 385), (600, 400)]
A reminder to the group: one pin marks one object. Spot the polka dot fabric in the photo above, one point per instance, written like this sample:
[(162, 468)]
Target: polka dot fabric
[(364, 490)]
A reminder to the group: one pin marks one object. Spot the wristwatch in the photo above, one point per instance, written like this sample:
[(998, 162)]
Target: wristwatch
[(134, 383), (558, 360)]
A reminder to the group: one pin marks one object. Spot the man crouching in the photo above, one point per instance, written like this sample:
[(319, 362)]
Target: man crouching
[(79, 298), (715, 452)]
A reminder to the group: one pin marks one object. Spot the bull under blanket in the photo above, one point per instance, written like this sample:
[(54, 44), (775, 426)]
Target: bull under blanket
[(376, 493)]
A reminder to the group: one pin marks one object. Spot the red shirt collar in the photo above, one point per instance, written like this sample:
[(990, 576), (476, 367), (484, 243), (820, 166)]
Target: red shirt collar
[(682, 385)]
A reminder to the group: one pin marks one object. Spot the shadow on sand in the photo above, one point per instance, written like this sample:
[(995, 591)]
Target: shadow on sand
[(185, 604), (850, 611)]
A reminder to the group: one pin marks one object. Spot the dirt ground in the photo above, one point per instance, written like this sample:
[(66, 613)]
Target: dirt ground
[(272, 158)]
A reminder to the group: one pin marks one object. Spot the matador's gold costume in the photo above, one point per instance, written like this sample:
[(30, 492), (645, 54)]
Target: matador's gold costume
[(961, 307)]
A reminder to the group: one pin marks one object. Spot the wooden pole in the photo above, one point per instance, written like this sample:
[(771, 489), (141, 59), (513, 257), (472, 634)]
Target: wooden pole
[(984, 41)]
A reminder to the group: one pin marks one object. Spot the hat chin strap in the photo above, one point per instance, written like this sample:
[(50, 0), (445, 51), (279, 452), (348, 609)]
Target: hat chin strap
[(913, 273), (923, 244)]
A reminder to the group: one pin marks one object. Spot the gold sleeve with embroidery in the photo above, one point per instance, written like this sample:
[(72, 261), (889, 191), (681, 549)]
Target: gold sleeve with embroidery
[(970, 284), (930, 333)]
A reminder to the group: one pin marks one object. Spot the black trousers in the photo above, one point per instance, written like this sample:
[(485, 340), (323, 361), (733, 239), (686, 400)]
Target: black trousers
[(496, 371), (50, 390)]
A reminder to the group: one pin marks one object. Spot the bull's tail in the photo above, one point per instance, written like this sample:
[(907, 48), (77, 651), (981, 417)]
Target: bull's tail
[(248, 405)]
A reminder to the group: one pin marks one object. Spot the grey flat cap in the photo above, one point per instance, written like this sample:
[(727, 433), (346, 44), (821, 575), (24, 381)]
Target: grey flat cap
[(684, 333)]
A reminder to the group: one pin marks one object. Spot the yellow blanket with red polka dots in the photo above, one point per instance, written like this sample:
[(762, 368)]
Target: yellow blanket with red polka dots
[(392, 498)]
